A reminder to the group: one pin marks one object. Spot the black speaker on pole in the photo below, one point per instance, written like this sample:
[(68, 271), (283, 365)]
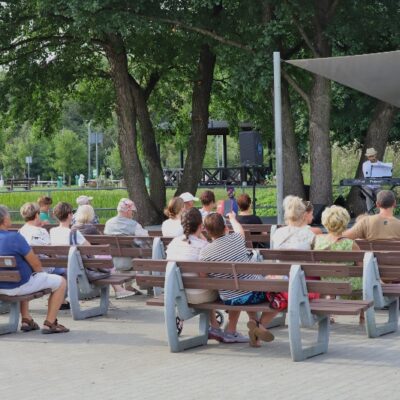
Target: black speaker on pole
[(251, 149)]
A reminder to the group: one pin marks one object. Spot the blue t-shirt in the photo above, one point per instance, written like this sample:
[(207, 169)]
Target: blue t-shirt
[(14, 244)]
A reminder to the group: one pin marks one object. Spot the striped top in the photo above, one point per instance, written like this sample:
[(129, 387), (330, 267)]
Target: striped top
[(230, 247)]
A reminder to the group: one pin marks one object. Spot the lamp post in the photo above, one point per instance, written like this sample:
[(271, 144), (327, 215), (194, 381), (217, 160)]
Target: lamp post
[(89, 135)]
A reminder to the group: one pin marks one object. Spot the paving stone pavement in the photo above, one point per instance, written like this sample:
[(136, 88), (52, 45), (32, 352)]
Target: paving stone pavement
[(125, 356)]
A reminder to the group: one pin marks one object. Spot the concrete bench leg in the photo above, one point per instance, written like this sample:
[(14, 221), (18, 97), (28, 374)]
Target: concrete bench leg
[(78, 285), (13, 319), (158, 253), (175, 302), (299, 314), (372, 290)]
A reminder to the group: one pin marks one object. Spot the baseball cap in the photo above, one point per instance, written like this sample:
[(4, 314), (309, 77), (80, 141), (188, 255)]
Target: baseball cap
[(188, 197), (126, 205), (82, 200)]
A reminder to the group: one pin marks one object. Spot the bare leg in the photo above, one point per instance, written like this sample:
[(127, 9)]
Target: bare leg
[(55, 301), (24, 309), (232, 321)]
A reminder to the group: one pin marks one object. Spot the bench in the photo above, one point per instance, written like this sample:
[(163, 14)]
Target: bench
[(20, 183), (76, 260), (9, 273), (380, 245), (377, 266), (301, 311)]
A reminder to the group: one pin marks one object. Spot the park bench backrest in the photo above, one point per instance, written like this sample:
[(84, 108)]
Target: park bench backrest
[(379, 245), (276, 285), (95, 257), (52, 256), (7, 263)]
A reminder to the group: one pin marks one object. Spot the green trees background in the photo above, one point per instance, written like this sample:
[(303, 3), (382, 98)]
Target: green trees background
[(150, 74)]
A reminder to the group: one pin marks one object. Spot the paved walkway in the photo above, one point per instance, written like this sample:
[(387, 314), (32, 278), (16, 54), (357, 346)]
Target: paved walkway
[(125, 356)]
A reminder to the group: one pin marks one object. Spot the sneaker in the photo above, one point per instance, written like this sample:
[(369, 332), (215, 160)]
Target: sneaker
[(123, 293), (216, 334), (235, 337)]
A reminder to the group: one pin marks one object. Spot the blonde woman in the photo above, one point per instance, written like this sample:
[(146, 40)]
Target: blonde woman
[(84, 217), (335, 219), (296, 235), (172, 226)]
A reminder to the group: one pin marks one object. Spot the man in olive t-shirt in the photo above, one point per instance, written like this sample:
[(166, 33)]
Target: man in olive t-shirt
[(382, 226)]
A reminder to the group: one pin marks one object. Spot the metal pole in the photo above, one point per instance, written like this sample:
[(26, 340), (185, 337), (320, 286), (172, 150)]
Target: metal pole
[(278, 136), (88, 146), (29, 170), (97, 162)]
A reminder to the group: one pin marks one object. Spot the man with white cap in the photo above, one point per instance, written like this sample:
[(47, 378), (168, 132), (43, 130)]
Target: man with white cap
[(82, 201), (368, 166), (188, 199), (124, 224)]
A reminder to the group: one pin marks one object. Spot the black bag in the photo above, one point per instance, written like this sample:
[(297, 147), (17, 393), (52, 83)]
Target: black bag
[(92, 274)]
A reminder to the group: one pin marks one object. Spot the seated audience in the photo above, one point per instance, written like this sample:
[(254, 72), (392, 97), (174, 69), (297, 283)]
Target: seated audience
[(207, 199), (172, 226), (33, 279), (188, 199), (83, 201), (231, 247), (45, 215), (335, 220), (124, 224), (84, 218), (245, 214), (296, 235), (380, 226), (62, 235), (187, 247), (310, 217)]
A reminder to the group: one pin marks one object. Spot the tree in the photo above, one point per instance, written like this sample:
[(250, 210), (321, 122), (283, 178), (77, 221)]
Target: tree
[(70, 154)]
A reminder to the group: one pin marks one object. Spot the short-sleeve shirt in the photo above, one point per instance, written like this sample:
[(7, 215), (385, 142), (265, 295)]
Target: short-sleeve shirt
[(249, 219), (230, 247), (124, 226), (323, 243), (172, 227), (35, 235), (376, 227), (14, 244), (293, 237), (60, 236)]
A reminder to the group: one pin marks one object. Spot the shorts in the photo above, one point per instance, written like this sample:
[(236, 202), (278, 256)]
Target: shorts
[(38, 281), (251, 298)]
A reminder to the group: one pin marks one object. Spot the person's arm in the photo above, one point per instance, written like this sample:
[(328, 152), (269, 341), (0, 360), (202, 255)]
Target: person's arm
[(140, 231), (355, 246), (81, 239), (33, 260), (357, 231), (237, 228)]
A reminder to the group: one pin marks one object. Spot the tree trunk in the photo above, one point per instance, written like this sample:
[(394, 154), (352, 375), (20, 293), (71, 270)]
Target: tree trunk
[(127, 133), (292, 174), (198, 137), (156, 176), (320, 107), (376, 137)]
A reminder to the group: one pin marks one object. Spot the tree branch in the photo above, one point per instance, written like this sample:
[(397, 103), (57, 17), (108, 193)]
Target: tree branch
[(151, 84), (297, 88)]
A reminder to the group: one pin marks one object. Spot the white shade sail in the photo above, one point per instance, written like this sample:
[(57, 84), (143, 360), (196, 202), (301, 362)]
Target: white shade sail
[(377, 74)]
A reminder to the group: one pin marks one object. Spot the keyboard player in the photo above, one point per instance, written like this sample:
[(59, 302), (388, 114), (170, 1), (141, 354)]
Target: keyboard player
[(370, 190)]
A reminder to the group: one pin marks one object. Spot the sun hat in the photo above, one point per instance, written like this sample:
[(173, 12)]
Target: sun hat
[(82, 200), (188, 197), (371, 152), (125, 205)]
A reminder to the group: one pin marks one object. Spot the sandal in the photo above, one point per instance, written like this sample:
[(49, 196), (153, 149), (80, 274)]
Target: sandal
[(255, 328), (28, 325), (54, 327)]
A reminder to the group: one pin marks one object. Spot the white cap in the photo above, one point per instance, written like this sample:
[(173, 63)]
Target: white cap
[(82, 200), (188, 197)]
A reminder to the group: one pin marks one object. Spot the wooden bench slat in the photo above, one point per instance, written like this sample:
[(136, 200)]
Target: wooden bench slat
[(10, 276), (7, 262), (27, 297)]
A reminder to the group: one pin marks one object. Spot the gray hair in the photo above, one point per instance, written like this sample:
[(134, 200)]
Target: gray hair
[(3, 214), (29, 210), (84, 214)]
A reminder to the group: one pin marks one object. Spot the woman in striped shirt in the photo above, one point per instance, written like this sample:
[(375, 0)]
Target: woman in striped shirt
[(232, 247)]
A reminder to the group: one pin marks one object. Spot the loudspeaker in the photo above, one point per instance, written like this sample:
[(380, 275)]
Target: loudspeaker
[(251, 149)]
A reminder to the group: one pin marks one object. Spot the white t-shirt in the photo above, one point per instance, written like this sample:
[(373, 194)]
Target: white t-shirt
[(35, 235), (172, 227), (59, 236), (181, 250), (293, 237)]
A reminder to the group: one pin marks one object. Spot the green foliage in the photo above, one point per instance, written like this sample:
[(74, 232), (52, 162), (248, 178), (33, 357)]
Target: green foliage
[(70, 153)]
